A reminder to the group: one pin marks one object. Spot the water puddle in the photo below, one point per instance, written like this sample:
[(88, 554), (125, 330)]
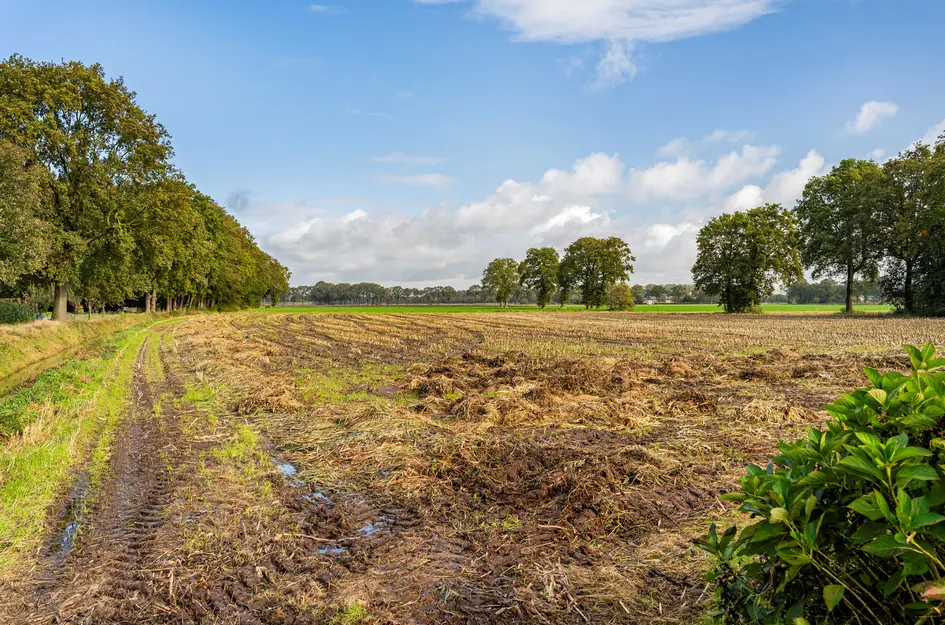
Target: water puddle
[(331, 551), (373, 528), (289, 471), (318, 497), (71, 520)]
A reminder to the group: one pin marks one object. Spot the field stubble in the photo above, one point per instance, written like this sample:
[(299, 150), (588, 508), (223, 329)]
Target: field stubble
[(299, 469), (532, 468)]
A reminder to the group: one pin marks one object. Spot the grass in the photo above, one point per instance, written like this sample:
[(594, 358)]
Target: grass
[(50, 427), (642, 308)]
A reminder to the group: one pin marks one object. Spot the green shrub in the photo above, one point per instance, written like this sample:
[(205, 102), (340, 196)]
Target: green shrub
[(14, 312), (620, 297), (849, 522)]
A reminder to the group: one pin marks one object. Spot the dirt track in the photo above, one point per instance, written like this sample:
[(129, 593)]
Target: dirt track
[(408, 469)]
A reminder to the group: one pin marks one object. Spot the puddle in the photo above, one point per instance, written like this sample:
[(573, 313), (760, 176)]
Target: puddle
[(287, 469), (67, 541), (331, 551), (318, 497), (373, 528), (71, 520)]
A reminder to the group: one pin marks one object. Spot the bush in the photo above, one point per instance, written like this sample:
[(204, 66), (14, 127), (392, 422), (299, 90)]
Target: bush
[(849, 521), (14, 312), (620, 297)]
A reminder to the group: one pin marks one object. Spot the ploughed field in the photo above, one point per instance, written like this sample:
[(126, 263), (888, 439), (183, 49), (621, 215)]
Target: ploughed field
[(438, 468)]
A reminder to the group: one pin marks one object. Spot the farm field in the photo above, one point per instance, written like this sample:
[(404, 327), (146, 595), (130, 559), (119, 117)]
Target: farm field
[(641, 308), (289, 468)]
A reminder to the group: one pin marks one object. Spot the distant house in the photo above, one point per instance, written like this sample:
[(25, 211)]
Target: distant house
[(658, 300)]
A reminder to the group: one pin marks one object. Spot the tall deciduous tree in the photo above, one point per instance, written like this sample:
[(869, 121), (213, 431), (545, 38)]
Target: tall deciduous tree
[(840, 222), (501, 277), (906, 217), (539, 272), (742, 255), (24, 234), (98, 146), (595, 265)]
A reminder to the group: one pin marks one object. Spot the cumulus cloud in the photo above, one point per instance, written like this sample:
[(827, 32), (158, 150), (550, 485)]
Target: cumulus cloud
[(784, 188), (443, 245), (617, 23), (683, 146), (871, 113), (686, 179), (931, 137)]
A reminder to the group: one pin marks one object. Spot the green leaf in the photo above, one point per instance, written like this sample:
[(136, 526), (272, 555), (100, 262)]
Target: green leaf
[(832, 596), (904, 453), (866, 505), (861, 466), (878, 394), (886, 546), (917, 472), (780, 515)]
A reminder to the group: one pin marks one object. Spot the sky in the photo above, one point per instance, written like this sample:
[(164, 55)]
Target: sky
[(411, 141)]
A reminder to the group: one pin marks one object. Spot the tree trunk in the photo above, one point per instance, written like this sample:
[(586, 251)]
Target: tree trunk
[(850, 275), (907, 291), (61, 303)]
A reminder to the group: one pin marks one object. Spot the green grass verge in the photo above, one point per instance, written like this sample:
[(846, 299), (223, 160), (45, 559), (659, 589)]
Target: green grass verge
[(642, 308), (53, 431)]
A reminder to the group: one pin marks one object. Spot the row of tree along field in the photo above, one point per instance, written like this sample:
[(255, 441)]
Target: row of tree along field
[(826, 291), (880, 224), (93, 211), (875, 225)]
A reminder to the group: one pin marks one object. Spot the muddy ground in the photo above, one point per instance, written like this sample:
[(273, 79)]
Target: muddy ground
[(292, 469)]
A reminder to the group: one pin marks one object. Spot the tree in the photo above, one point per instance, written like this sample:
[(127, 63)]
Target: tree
[(930, 269), (620, 297), (539, 272), (639, 293), (679, 292), (906, 216), (501, 278), (840, 228), (98, 146), (742, 255), (24, 234), (595, 265), (655, 290)]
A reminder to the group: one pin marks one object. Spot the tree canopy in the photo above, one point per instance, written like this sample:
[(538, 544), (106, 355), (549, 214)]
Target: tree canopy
[(743, 255), (100, 211), (840, 228), (539, 272), (501, 277), (594, 265)]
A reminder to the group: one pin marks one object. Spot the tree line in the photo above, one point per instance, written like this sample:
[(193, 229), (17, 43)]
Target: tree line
[(868, 223), (92, 209)]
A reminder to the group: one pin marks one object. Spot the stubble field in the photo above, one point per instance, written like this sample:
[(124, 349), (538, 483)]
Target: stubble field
[(403, 468)]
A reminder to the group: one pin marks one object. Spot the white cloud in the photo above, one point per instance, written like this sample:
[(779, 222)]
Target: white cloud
[(616, 65), (420, 180), (681, 146), (931, 137), (407, 159), (878, 154), (443, 245), (871, 113), (618, 23), (784, 188), (686, 179)]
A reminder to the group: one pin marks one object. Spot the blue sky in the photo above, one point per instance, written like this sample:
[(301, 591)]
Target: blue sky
[(410, 142)]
